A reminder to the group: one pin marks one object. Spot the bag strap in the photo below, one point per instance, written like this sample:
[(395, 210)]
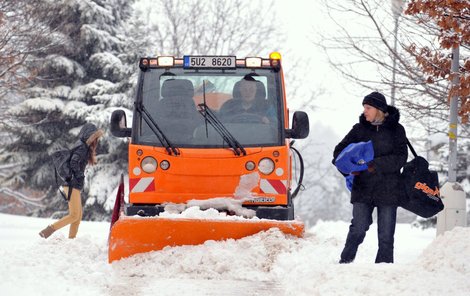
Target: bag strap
[(411, 148), (69, 193), (60, 190)]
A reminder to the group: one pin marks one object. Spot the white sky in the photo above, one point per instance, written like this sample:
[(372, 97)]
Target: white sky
[(340, 106)]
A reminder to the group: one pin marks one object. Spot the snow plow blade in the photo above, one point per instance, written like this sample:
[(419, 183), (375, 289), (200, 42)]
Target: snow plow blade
[(131, 236)]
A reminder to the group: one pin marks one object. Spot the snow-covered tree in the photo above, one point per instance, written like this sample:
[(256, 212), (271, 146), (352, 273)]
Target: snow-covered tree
[(83, 80), (21, 35)]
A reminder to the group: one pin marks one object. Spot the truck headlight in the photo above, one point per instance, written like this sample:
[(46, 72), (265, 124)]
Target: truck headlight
[(149, 164), (266, 166)]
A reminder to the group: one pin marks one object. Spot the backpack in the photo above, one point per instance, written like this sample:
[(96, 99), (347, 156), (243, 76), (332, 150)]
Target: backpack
[(63, 172)]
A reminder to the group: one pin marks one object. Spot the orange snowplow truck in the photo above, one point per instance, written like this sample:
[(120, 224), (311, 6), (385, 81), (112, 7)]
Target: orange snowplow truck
[(201, 124)]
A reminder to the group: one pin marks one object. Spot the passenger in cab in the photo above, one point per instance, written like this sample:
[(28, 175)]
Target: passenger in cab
[(177, 100), (248, 103), (176, 112)]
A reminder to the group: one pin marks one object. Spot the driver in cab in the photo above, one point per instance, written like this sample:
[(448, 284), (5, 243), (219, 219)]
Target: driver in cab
[(248, 103)]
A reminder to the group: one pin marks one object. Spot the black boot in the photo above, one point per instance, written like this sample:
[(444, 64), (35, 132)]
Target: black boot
[(344, 261)]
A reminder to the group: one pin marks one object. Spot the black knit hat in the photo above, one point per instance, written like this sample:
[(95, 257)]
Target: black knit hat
[(377, 100)]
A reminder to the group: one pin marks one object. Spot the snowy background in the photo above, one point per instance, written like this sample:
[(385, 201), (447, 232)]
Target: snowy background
[(87, 69), (268, 263), (95, 45)]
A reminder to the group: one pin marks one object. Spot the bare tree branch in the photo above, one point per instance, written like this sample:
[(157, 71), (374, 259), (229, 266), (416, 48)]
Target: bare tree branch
[(21, 36), (372, 49)]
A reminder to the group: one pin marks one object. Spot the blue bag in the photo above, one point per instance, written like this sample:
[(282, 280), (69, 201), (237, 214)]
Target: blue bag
[(354, 157), (349, 181)]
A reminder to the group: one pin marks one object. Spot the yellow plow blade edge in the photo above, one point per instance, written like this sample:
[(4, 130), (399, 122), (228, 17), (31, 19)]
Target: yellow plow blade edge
[(131, 236)]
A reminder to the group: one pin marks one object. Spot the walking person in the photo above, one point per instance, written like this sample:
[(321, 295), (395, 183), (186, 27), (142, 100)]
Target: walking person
[(84, 154), (379, 185)]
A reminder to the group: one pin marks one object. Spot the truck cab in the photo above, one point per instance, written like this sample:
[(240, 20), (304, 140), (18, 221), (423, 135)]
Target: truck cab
[(201, 125)]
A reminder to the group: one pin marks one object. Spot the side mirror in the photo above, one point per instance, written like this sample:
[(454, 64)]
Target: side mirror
[(119, 124), (300, 126)]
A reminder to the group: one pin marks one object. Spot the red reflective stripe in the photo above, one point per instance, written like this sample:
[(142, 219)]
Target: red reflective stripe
[(151, 186), (278, 186), (137, 184), (132, 183)]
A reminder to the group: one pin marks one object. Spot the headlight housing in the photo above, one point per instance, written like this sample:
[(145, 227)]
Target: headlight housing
[(249, 165), (266, 166), (164, 165), (149, 164)]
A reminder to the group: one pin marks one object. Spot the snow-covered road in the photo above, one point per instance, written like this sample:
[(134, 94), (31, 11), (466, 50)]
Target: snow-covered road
[(264, 264)]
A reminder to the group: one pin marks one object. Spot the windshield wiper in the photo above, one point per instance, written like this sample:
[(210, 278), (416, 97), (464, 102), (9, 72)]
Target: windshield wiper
[(218, 126), (169, 147)]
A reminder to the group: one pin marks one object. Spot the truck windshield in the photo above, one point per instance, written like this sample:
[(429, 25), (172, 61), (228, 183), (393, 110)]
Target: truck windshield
[(248, 104)]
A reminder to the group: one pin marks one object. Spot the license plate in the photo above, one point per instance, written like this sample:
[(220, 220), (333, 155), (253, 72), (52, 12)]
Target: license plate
[(209, 62)]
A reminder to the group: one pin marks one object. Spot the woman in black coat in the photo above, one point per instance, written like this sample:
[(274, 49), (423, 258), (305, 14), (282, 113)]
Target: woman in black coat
[(379, 185), (83, 153)]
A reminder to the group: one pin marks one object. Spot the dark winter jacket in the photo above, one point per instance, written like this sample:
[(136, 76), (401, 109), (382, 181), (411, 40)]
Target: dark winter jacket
[(380, 186), (81, 153)]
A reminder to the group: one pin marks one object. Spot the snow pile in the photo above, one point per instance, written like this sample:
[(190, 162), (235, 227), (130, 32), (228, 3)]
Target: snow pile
[(217, 208), (441, 255), (192, 211), (431, 274), (246, 184), (268, 263), (248, 259)]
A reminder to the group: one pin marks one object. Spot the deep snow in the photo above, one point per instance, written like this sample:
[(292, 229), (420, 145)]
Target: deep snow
[(264, 264)]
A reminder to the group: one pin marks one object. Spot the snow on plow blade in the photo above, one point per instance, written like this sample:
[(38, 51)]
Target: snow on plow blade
[(131, 236)]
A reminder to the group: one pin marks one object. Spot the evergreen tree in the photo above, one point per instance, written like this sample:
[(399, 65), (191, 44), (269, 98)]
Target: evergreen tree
[(83, 80)]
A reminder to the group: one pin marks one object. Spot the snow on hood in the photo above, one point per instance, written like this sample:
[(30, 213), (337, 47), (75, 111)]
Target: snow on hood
[(209, 208)]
